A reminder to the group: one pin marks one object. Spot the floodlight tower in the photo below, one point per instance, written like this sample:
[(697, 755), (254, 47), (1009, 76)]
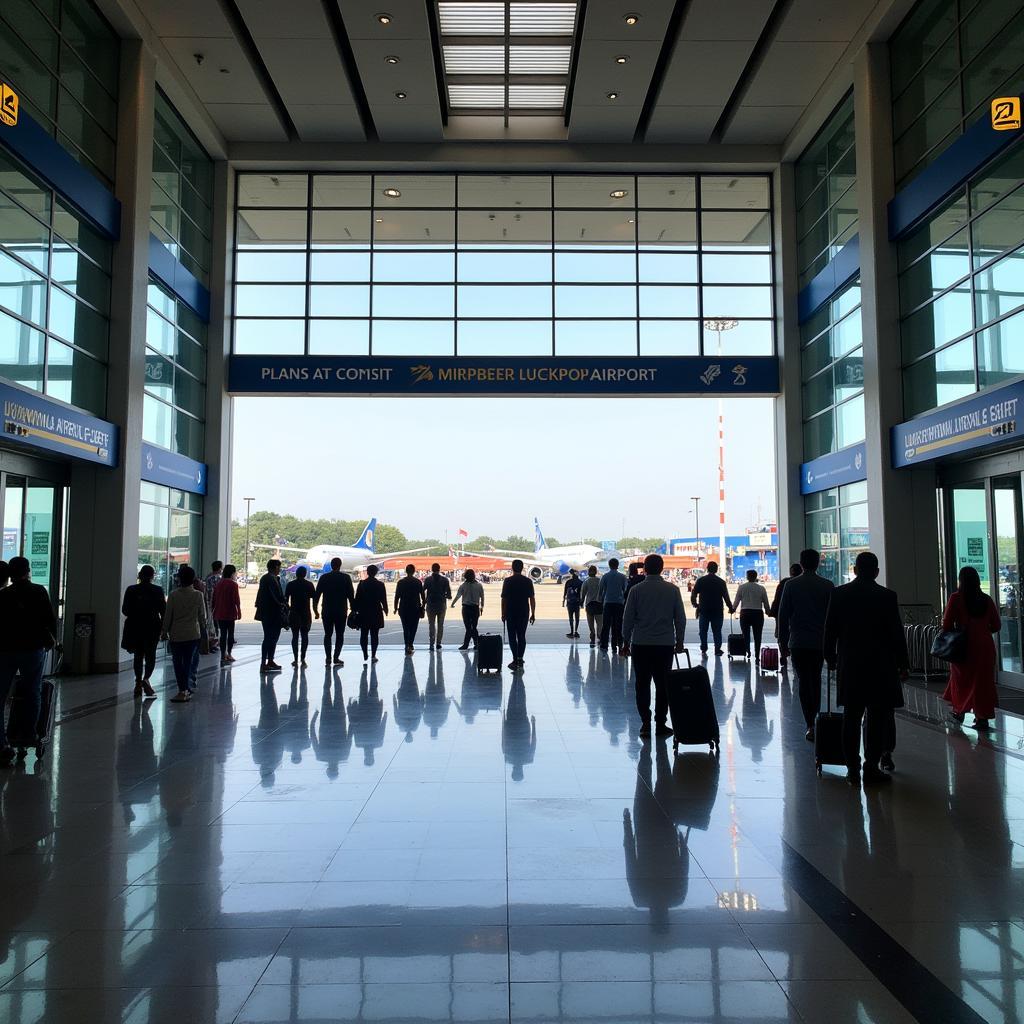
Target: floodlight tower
[(720, 326)]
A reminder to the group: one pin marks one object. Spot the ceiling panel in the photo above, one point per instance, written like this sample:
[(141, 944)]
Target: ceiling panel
[(791, 73), (755, 125), (813, 20), (684, 124), (186, 18), (224, 76), (247, 122), (729, 19)]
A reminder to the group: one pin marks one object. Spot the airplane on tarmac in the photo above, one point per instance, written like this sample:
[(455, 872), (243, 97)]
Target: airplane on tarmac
[(556, 561), (353, 559)]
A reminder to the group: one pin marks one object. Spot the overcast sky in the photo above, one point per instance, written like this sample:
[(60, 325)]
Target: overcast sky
[(583, 466)]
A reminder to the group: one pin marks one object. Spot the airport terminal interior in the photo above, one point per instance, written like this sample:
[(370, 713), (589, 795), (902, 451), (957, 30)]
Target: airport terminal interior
[(812, 202)]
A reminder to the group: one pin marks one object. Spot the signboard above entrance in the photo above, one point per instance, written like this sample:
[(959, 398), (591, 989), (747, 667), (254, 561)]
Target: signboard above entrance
[(159, 466), (547, 375)]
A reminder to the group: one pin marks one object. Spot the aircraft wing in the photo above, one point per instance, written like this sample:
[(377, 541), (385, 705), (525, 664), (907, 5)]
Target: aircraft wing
[(278, 547), (502, 551), (380, 556)]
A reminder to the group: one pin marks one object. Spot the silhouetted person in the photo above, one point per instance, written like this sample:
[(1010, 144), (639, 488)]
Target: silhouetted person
[(183, 626), (143, 610), (471, 594), (574, 676), (590, 598), (266, 735), (370, 605), (755, 731), (802, 631), (972, 682), (436, 702), (407, 702), (634, 575), (752, 601), (210, 583), (332, 741), (864, 641), (653, 627), (334, 595), (710, 596), (794, 571), (409, 606), (367, 718), (271, 613), (518, 608), (612, 595), (518, 731), (227, 610), (437, 593), (571, 602), (299, 594), (295, 717)]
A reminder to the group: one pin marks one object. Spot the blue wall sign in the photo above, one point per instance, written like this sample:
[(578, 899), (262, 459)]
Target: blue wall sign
[(835, 275), (990, 418), (178, 279), (159, 466), (846, 466), (465, 375), (32, 419)]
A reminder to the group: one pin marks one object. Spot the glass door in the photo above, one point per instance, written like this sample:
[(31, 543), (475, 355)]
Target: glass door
[(32, 514), (1006, 582)]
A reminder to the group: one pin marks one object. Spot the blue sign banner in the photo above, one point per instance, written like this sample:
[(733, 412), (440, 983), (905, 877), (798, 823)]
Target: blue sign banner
[(35, 420), (990, 418), (159, 466), (467, 375), (846, 466)]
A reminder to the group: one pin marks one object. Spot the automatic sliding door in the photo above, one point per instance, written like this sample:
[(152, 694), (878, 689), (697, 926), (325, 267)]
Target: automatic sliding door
[(1006, 514)]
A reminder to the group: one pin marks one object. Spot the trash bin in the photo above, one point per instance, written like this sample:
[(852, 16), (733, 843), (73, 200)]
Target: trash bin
[(82, 643)]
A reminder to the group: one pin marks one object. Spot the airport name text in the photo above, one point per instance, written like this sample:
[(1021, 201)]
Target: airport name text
[(468, 374), (976, 419), (352, 373), (24, 416)]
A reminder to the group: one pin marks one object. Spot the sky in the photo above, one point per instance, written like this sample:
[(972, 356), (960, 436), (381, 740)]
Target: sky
[(586, 467)]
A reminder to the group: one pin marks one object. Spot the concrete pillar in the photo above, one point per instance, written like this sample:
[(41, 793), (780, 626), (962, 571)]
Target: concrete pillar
[(901, 505), (217, 504), (789, 443), (103, 517)]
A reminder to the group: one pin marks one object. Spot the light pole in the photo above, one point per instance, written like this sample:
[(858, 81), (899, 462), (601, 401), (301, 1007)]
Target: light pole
[(719, 326), (248, 508), (696, 523)]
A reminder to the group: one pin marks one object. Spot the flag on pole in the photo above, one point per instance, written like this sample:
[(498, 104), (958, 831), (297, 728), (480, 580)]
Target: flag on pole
[(463, 532)]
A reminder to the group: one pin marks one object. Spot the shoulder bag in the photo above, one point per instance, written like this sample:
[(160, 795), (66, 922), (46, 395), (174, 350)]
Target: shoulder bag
[(950, 645)]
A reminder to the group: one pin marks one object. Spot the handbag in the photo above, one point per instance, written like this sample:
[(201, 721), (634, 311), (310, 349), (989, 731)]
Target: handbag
[(204, 643), (354, 621), (950, 645)]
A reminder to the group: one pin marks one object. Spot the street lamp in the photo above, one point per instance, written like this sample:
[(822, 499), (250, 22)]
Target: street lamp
[(248, 508), (720, 325), (696, 523)]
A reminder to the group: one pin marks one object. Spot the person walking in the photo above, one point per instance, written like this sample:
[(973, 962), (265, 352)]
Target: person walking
[(653, 629), (612, 594), (518, 610), (590, 598), (334, 597), (300, 594), (143, 609), (370, 606), (633, 576), (227, 610), (710, 596), (210, 581), (752, 601), (571, 602), (972, 682), (794, 571), (409, 606), (28, 629), (865, 643), (271, 612), (802, 630), (471, 594), (437, 593), (184, 624)]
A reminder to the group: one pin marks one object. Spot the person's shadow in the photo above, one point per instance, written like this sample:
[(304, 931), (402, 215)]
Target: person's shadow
[(436, 703), (479, 693), (367, 718), (329, 733), (657, 857), (137, 764), (518, 731), (755, 731), (266, 736), (295, 717), (574, 676), (723, 704), (408, 701)]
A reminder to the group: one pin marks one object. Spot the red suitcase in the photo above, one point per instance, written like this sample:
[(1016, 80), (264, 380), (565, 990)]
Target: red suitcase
[(769, 659)]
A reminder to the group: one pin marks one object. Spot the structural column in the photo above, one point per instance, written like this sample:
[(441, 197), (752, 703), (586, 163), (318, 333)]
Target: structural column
[(103, 517), (901, 504)]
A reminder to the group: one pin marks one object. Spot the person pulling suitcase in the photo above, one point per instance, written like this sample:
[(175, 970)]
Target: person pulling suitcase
[(653, 628)]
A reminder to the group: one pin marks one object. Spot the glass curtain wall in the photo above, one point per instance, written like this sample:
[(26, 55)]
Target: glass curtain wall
[(504, 264), (63, 58), (949, 59), (54, 294), (170, 531), (962, 290), (836, 524)]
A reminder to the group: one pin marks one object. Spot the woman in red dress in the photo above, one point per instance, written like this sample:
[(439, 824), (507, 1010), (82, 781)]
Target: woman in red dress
[(972, 682)]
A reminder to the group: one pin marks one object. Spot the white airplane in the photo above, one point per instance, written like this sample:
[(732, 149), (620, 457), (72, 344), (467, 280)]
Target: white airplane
[(353, 559), (557, 561)]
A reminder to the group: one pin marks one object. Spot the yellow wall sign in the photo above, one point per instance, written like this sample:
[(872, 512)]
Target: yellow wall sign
[(8, 105), (1006, 113)]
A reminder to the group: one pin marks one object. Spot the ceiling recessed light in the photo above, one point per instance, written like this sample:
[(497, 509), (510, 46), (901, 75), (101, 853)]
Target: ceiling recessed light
[(621, 59), (631, 19), (618, 193), (380, 220), (392, 193), (400, 95), (612, 95), (631, 220), (391, 59), (384, 19)]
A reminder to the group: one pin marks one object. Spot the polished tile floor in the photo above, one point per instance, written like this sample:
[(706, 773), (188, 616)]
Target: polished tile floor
[(415, 843)]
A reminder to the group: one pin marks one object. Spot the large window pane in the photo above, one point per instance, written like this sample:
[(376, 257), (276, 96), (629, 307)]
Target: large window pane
[(340, 266), (339, 337), (77, 323), (935, 273), (273, 267), (500, 229), (737, 302), (339, 300), (341, 229), (414, 266), (268, 337), (595, 191), (23, 235), (669, 338), (733, 269), (747, 338), (417, 190), (505, 190), (21, 353), (596, 229), (504, 337), (413, 301), (595, 337), (999, 289), (820, 436), (270, 300), (665, 231), (728, 192), (731, 230), (412, 229), (998, 229), (413, 337), (615, 268), (666, 192), (946, 318), (510, 301), (157, 422), (1001, 351), (511, 267), (608, 300), (667, 268), (341, 190), (942, 377), (668, 300), (272, 190), (271, 229), (22, 290)]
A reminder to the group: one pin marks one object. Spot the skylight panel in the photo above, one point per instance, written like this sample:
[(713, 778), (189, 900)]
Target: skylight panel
[(476, 96), (474, 60), (536, 96), (542, 19), (539, 60), (469, 19)]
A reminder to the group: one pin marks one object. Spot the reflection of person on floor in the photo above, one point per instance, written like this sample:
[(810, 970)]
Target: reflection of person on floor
[(477, 694), (518, 732), (295, 718), (367, 717), (574, 676), (755, 731), (435, 701), (267, 740), (136, 762), (657, 857), (332, 741), (723, 704), (408, 702)]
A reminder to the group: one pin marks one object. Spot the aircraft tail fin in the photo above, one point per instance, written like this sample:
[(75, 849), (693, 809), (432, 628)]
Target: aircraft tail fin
[(368, 538), (539, 543)]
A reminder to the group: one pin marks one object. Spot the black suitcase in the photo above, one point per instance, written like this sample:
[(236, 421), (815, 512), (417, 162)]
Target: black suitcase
[(735, 644), (489, 653), (828, 733), (691, 707), (24, 735)]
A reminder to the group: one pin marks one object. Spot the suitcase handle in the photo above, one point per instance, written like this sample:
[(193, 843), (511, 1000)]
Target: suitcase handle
[(689, 662)]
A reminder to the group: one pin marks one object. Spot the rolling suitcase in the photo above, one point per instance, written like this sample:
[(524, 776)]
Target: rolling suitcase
[(736, 644), (691, 707), (489, 653), (769, 659), (828, 733), (22, 734)]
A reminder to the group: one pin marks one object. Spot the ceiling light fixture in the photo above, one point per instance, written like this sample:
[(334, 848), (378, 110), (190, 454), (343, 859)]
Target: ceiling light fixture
[(391, 59), (380, 220), (618, 193), (384, 19), (621, 59), (392, 193), (612, 95), (400, 95), (631, 19)]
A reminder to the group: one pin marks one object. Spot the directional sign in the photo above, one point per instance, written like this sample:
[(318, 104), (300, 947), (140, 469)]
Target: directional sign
[(1006, 113), (8, 105)]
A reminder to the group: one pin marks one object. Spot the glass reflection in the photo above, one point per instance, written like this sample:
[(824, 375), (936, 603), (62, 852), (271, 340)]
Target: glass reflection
[(329, 733), (367, 716), (436, 703), (518, 731)]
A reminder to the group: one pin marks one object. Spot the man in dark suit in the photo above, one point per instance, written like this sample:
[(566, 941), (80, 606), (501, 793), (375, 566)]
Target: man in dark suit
[(864, 640)]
